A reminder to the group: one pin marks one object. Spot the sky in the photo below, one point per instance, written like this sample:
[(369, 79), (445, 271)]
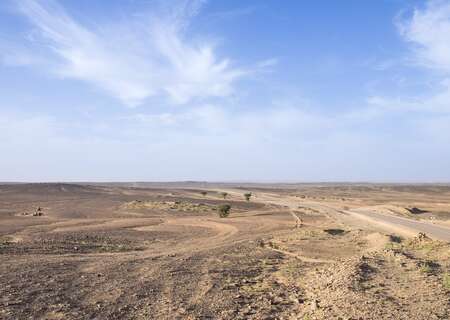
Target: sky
[(225, 90)]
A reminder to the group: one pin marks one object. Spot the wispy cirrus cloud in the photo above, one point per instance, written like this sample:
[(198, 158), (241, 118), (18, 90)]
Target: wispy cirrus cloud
[(146, 56), (428, 31)]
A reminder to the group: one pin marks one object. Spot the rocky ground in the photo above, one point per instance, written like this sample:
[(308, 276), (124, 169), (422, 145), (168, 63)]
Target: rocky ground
[(116, 252)]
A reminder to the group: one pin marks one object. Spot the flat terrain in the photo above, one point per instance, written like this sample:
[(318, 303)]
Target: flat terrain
[(160, 251)]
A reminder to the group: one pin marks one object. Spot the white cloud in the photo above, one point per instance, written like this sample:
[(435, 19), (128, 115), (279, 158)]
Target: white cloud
[(438, 102), (429, 30), (132, 61), (213, 143), (210, 139), (275, 122), (27, 129), (268, 63)]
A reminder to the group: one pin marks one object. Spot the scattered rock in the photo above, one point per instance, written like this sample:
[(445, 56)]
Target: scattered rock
[(314, 305)]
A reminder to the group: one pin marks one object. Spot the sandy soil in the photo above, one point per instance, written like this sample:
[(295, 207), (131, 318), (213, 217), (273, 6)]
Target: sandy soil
[(291, 252)]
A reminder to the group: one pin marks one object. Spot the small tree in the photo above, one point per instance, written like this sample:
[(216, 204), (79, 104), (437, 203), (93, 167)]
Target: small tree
[(224, 194), (224, 210), (203, 193), (247, 196)]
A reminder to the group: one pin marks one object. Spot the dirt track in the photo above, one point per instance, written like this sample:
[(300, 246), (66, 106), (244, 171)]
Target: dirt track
[(91, 256)]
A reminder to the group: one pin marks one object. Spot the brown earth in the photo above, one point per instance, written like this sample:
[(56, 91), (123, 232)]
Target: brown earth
[(291, 252)]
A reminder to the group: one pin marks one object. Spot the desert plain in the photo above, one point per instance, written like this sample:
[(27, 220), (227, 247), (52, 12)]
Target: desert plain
[(161, 251)]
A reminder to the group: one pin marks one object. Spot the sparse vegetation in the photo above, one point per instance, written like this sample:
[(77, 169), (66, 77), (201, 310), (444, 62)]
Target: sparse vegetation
[(428, 266), (395, 238), (247, 196), (328, 269), (4, 241), (185, 206), (334, 232), (393, 246), (224, 210), (446, 280)]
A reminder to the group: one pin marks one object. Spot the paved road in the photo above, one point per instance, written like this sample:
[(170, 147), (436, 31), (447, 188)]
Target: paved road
[(389, 222), (432, 230)]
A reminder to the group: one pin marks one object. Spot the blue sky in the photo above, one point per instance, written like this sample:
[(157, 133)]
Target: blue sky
[(225, 90)]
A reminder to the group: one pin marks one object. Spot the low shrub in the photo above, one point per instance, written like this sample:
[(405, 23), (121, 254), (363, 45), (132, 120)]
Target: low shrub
[(224, 210)]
